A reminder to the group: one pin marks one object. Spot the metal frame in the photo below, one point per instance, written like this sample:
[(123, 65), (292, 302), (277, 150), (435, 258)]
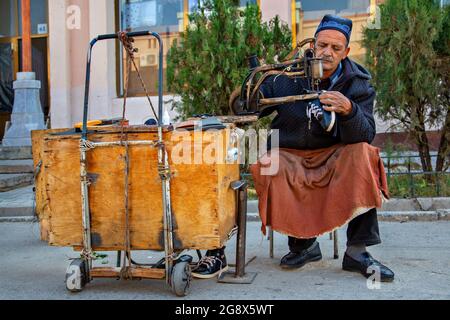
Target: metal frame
[(397, 159), (163, 165), (141, 270)]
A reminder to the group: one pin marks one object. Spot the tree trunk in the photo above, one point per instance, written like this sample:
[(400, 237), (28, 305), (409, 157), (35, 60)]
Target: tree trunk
[(422, 139), (444, 148)]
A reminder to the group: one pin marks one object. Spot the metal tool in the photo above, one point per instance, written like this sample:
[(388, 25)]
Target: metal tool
[(248, 99)]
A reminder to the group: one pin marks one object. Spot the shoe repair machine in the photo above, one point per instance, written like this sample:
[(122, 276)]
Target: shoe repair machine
[(121, 198), (247, 100)]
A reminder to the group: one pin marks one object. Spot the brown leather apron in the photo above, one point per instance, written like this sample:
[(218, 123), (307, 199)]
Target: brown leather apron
[(317, 191)]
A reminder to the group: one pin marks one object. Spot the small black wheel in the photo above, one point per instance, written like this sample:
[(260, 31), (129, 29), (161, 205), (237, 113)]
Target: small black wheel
[(181, 278), (76, 275)]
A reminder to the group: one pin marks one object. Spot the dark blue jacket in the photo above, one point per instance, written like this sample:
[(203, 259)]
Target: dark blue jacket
[(292, 121)]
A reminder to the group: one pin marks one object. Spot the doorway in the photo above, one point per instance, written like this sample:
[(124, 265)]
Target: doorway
[(11, 53)]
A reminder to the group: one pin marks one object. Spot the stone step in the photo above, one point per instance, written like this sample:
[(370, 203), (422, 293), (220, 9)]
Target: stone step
[(16, 166), (27, 219), (13, 181), (17, 203), (15, 153)]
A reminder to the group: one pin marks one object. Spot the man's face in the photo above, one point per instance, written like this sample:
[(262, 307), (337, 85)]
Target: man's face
[(331, 46)]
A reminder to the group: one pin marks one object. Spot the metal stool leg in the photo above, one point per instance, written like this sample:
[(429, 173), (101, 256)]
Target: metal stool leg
[(271, 242), (336, 245), (119, 258)]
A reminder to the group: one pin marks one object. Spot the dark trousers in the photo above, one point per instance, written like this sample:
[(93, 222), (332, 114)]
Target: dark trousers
[(361, 230)]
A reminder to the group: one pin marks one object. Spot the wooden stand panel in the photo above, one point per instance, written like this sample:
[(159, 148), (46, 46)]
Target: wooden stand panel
[(203, 205)]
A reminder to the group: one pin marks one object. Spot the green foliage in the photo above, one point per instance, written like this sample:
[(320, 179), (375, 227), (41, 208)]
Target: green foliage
[(442, 44), (418, 185), (408, 58), (401, 57), (210, 61)]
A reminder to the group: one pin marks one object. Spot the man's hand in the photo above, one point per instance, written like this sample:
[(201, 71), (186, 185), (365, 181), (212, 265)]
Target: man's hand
[(337, 102)]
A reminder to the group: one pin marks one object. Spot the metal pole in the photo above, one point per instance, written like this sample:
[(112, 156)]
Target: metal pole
[(119, 257), (271, 242), (336, 244), (242, 228), (438, 191), (164, 167), (240, 276), (86, 89), (85, 209)]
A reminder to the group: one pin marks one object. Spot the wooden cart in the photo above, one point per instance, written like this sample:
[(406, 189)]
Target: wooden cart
[(118, 189)]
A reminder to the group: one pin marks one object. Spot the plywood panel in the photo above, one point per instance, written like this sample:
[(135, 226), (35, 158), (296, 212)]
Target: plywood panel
[(202, 202)]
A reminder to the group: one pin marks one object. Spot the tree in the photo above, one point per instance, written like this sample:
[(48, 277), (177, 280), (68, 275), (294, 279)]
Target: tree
[(211, 59), (409, 59), (442, 46)]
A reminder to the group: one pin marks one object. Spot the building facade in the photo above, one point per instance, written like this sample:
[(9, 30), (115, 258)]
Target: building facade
[(62, 30)]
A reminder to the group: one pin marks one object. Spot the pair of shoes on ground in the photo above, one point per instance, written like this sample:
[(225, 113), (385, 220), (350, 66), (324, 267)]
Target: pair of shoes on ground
[(365, 264), (213, 264)]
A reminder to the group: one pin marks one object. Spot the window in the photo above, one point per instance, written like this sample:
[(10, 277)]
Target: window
[(314, 9), (193, 4), (8, 26), (243, 3), (39, 16), (163, 16)]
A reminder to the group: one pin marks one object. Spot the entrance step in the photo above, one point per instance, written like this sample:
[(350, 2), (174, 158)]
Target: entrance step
[(15, 153), (16, 166), (13, 181)]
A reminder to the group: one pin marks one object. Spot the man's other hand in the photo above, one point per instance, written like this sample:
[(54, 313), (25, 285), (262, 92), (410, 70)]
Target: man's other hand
[(337, 102)]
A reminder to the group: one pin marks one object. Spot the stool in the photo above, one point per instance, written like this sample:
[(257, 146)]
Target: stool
[(333, 236)]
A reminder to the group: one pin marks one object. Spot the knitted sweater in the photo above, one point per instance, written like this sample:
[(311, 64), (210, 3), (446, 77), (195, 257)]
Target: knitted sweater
[(292, 121)]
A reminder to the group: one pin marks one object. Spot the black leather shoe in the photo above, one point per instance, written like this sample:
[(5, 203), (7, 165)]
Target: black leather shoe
[(367, 261), (294, 260)]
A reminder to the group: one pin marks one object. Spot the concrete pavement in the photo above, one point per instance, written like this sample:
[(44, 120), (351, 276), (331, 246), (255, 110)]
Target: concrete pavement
[(418, 252)]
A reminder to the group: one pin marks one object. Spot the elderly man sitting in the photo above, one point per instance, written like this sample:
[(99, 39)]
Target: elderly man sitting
[(326, 178)]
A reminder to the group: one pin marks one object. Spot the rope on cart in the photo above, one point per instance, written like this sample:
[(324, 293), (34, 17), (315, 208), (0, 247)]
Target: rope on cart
[(233, 232), (164, 171), (87, 255), (86, 145), (130, 50)]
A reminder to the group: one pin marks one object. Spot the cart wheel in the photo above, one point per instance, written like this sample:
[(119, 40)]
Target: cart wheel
[(181, 279), (76, 277)]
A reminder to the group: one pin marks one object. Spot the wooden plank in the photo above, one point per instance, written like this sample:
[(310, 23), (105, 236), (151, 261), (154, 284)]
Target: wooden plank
[(37, 138), (142, 273), (239, 119), (39, 160)]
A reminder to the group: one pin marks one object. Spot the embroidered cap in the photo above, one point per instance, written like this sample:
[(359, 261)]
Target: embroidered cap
[(334, 22)]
